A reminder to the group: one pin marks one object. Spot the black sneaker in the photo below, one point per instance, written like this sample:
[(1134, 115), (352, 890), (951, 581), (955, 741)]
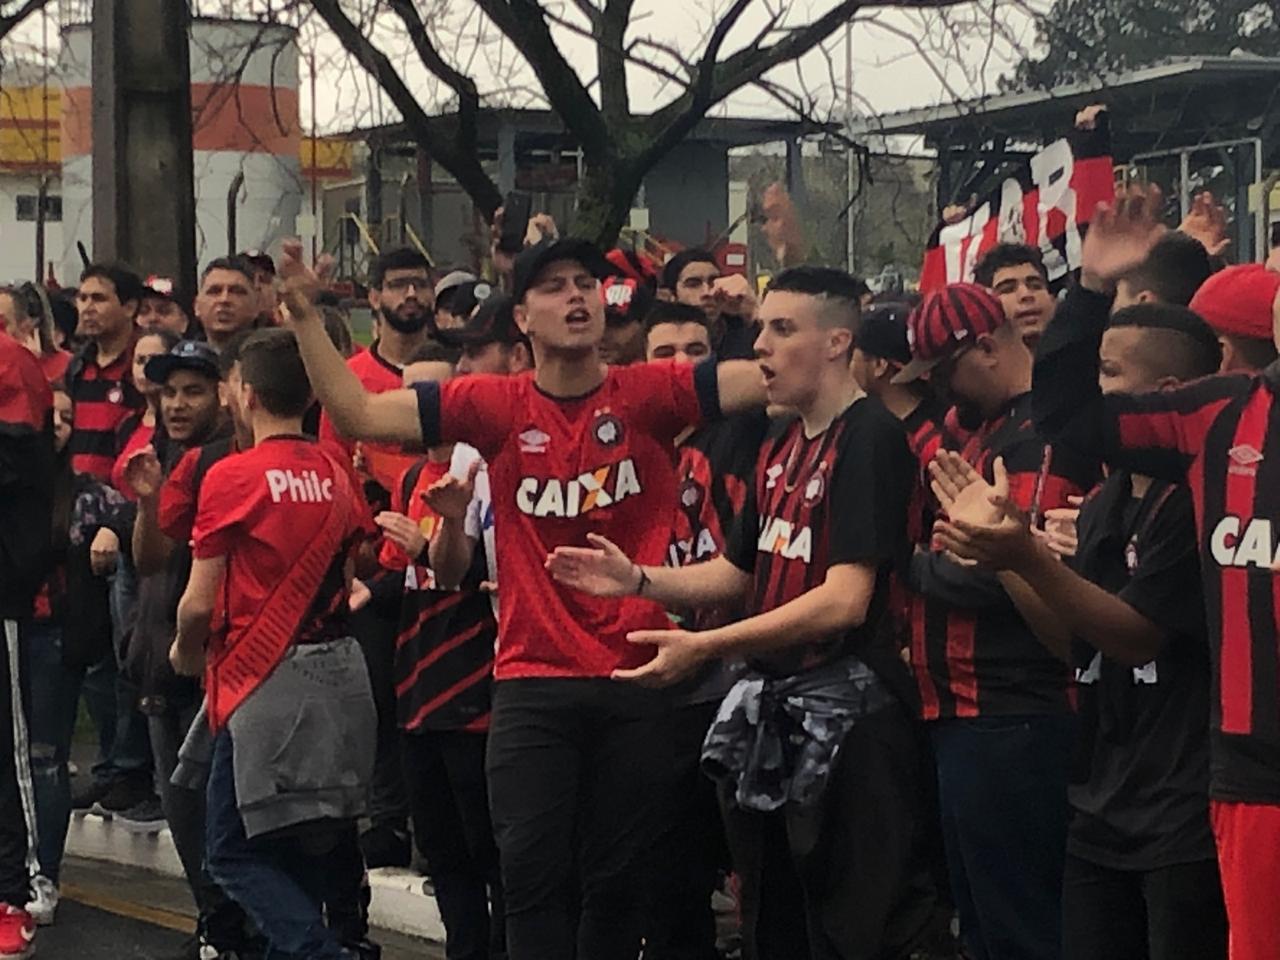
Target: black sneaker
[(125, 793), (144, 817), (385, 846), (88, 793)]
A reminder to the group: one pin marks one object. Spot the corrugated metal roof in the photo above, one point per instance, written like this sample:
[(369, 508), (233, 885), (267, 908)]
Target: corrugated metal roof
[(1172, 71)]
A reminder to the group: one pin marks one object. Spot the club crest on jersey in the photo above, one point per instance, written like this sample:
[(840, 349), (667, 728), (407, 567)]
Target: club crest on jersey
[(772, 475), (115, 395), (607, 430), (534, 440), (814, 488), (783, 539), (602, 487), (1244, 460), (691, 494), (1244, 543)]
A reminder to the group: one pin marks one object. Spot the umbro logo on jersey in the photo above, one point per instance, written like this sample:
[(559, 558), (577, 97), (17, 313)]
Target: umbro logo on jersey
[(772, 475), (305, 486), (602, 487), (1239, 543), (1244, 460), (534, 440), (780, 537)]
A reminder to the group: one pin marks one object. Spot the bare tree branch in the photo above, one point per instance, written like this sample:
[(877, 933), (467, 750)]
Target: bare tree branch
[(10, 20)]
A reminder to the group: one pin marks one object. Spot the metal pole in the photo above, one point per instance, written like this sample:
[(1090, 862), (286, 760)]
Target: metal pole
[(850, 158), (1184, 186), (315, 162)]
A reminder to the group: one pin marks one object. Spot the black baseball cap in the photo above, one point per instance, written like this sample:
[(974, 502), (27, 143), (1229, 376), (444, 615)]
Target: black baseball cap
[(185, 355), (533, 260), (261, 261), (493, 322), (882, 332)]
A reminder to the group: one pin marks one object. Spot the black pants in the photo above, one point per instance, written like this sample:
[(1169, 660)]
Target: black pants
[(1175, 913), (579, 770), (692, 851), (375, 630), (843, 880), (17, 795), (444, 771)]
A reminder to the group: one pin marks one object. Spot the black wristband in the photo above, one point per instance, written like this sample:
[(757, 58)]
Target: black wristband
[(644, 581)]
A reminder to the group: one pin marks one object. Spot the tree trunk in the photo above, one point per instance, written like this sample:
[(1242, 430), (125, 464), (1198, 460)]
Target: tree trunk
[(605, 195)]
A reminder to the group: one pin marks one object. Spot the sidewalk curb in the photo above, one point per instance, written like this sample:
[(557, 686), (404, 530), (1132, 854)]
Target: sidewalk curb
[(400, 901)]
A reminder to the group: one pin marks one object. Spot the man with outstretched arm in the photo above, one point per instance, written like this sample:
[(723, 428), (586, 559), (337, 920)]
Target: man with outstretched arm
[(575, 764), (813, 751), (1221, 435)]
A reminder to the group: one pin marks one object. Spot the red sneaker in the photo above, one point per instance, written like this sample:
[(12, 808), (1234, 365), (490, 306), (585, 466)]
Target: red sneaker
[(17, 933)]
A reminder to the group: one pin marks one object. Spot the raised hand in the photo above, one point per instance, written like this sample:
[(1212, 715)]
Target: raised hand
[(1207, 222), (735, 293), (403, 532), (450, 496), (962, 491), (604, 571), (1002, 545), (1120, 237), (677, 656), (143, 473), (300, 284), (104, 552), (1060, 529)]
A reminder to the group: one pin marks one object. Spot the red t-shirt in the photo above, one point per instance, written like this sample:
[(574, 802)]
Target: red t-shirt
[(260, 509), (384, 463), (560, 469), (55, 365)]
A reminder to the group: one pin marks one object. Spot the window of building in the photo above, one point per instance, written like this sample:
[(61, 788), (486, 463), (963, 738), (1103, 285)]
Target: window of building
[(27, 207)]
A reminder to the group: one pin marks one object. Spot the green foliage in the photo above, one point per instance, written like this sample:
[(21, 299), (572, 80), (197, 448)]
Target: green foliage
[(1084, 38)]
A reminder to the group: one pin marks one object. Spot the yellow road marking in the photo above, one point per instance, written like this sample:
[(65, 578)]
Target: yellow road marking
[(126, 908)]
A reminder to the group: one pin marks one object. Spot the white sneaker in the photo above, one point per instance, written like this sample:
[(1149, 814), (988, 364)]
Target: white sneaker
[(44, 901)]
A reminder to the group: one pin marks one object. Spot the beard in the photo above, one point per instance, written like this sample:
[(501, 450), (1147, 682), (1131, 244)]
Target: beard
[(413, 323), (969, 415)]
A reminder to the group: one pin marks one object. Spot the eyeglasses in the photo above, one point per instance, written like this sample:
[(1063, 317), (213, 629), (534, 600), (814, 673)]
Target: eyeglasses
[(400, 284)]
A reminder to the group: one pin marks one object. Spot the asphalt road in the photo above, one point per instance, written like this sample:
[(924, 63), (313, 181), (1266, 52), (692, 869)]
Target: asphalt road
[(113, 912)]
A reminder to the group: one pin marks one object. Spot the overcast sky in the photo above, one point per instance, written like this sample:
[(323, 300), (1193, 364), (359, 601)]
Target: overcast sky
[(901, 59)]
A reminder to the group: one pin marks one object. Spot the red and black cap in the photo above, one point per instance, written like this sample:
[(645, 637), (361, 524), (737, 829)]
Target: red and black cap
[(945, 321)]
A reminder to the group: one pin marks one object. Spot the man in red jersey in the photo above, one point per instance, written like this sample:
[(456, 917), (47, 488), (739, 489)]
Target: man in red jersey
[(813, 750), (402, 299), (287, 691), (1220, 434), (575, 762)]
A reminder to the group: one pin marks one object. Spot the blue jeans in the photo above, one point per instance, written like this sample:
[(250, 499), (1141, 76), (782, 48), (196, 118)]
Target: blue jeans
[(124, 746), (1002, 789), (54, 690), (281, 882)]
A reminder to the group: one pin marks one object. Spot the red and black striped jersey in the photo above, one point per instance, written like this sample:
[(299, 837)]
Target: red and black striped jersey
[(103, 398), (1222, 435), (818, 502), (972, 652), (443, 666)]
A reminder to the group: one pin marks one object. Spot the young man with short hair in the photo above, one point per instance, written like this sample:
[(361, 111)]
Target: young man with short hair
[(1127, 611), (1016, 274), (694, 277), (228, 300), (1242, 304), (287, 691), (574, 762), (1176, 268), (403, 300), (1219, 435), (997, 703), (191, 414), (716, 466), (443, 686), (823, 828)]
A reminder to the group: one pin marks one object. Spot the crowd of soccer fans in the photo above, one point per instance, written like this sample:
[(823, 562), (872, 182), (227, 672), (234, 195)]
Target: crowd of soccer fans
[(649, 616)]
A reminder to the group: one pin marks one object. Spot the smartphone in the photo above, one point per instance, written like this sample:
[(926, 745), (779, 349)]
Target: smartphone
[(515, 221)]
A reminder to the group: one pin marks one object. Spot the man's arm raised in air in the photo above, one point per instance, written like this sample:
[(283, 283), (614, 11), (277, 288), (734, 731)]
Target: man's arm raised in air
[(1157, 433), (357, 413), (741, 386)]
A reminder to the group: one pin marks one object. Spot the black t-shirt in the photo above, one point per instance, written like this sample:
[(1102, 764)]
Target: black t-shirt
[(1142, 797), (818, 502)]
